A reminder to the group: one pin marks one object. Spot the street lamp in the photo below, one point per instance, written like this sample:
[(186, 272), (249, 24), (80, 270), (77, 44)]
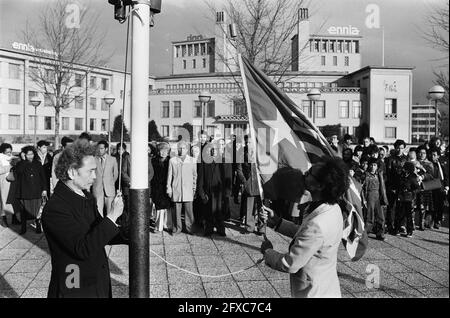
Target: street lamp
[(313, 95), (35, 101), (204, 98), (436, 93), (109, 100)]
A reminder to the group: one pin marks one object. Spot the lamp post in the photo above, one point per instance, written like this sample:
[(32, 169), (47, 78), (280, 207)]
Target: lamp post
[(204, 98), (436, 93), (313, 95), (109, 100), (35, 101)]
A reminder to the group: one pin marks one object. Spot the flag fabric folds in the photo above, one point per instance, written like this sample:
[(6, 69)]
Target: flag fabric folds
[(287, 144)]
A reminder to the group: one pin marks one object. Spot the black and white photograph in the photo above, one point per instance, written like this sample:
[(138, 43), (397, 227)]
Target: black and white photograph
[(239, 152)]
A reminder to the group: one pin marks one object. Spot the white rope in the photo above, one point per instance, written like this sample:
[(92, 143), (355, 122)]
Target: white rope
[(204, 275)]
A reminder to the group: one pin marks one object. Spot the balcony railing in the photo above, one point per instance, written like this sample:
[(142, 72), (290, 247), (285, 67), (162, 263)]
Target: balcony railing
[(390, 116), (235, 90)]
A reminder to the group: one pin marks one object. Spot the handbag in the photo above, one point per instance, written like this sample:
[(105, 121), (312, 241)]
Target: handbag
[(10, 177), (431, 185)]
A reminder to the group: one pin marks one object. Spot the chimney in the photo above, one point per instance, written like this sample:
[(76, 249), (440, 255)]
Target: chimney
[(303, 14)]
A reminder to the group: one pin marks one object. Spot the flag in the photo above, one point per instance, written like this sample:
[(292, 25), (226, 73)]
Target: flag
[(287, 144)]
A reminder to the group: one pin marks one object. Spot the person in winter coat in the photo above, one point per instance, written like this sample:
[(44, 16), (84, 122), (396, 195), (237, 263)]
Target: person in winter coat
[(161, 200), (31, 187), (311, 259)]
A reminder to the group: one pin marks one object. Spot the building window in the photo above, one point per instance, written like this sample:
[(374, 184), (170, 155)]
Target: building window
[(356, 105), (177, 109), (183, 50), (165, 109), (324, 46), (323, 60), (78, 80), (356, 46), (196, 130), (339, 46), (211, 110), (197, 109), (104, 106), (104, 124), (14, 122), (332, 46), (196, 49), (79, 102), (189, 49), (346, 61), (48, 123), (204, 63), (343, 108), (14, 71), (177, 49), (78, 123), (92, 122), (165, 130), (306, 108), (390, 108), (211, 130), (203, 48), (335, 60), (105, 84), (31, 122), (320, 109), (347, 47), (32, 94), (92, 103), (344, 130), (194, 63), (93, 82), (65, 123), (48, 100), (390, 132), (184, 64), (14, 96), (239, 107)]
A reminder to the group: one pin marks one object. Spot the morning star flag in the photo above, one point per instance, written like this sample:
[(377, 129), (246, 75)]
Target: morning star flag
[(287, 144)]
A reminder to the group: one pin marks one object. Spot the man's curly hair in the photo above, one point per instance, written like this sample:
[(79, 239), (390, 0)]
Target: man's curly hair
[(334, 177), (72, 157)]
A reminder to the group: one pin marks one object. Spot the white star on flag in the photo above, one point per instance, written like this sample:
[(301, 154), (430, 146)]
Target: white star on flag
[(281, 129)]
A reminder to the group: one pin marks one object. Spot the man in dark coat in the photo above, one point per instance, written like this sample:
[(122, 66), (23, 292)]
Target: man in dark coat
[(75, 231), (45, 159)]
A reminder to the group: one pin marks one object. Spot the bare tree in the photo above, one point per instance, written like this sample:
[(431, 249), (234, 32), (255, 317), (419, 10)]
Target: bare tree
[(437, 30), (72, 42)]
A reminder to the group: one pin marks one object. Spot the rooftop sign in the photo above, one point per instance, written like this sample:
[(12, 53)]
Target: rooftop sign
[(30, 48), (343, 30)]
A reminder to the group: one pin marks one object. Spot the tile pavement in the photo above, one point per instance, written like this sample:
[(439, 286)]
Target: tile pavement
[(408, 267)]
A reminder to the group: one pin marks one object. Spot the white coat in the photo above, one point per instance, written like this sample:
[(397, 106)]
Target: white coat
[(182, 179), (312, 256)]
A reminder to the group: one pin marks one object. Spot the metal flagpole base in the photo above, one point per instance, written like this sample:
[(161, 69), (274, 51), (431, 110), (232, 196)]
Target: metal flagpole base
[(139, 262)]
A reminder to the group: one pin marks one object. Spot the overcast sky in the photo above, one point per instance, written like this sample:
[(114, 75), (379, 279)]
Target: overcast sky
[(402, 20)]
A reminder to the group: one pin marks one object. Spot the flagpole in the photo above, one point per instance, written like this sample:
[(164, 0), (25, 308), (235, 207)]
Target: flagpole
[(250, 120)]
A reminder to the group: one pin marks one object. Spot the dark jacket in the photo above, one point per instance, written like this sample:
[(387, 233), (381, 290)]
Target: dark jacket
[(30, 180), (77, 235), (47, 166), (124, 173), (210, 179), (408, 187), (159, 184), (394, 171), (247, 175)]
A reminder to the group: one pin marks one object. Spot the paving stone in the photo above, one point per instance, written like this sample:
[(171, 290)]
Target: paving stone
[(175, 239), (194, 290), (222, 290), (440, 277), (158, 275), (33, 292), (418, 265), (20, 243), (5, 265), (435, 292), (272, 274), (159, 291), (252, 274), (396, 253), (405, 293), (282, 287), (178, 249), (120, 291), (257, 289), (119, 251), (12, 253), (120, 280), (220, 271), (177, 276), (28, 266), (213, 260), (16, 281), (37, 253), (373, 294), (347, 295), (209, 249), (416, 280), (9, 293)]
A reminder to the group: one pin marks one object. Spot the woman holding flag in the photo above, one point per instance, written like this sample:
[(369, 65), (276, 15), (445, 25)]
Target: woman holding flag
[(312, 256)]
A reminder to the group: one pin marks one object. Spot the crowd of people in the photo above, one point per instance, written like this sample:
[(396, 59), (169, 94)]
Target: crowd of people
[(399, 191), (402, 189)]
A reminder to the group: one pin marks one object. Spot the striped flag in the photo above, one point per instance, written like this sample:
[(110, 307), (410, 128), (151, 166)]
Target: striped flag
[(287, 144)]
